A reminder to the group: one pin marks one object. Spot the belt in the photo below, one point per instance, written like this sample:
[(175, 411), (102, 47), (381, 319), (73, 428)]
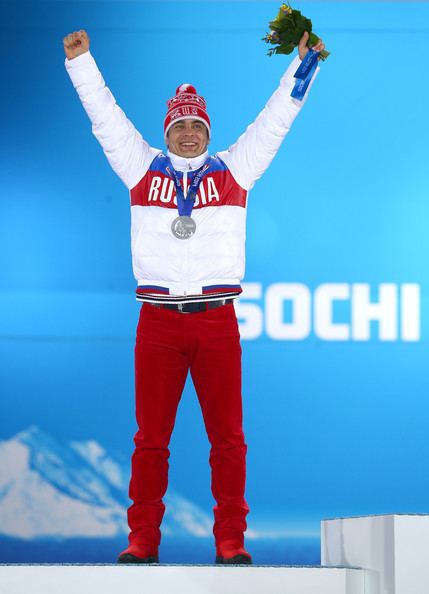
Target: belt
[(193, 307)]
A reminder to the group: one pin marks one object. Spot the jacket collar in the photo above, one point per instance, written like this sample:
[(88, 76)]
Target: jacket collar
[(187, 164)]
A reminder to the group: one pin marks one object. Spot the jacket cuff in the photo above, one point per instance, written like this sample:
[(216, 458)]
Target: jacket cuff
[(81, 60), (82, 68)]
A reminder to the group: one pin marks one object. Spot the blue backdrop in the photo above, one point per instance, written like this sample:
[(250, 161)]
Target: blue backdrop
[(335, 389)]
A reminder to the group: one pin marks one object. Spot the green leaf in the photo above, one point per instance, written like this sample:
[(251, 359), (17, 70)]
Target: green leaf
[(313, 39), (291, 37), (307, 24), (287, 37), (296, 17), (285, 48)]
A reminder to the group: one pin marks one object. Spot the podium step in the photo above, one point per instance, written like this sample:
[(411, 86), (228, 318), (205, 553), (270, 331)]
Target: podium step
[(393, 548), (175, 579)]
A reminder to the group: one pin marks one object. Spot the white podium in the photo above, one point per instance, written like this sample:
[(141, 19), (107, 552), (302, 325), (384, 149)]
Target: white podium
[(178, 579), (393, 549), (363, 555)]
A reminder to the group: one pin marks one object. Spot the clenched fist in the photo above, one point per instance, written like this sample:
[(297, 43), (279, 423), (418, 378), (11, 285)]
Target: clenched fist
[(75, 44)]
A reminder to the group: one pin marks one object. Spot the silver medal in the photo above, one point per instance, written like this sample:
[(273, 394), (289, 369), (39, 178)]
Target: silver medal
[(183, 227)]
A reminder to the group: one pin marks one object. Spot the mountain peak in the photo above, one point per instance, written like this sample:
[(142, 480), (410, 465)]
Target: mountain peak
[(53, 489), (32, 432)]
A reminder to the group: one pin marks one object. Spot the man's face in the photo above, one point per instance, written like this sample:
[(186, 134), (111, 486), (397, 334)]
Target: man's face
[(188, 138)]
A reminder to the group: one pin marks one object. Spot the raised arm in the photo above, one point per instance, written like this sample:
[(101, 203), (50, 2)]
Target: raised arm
[(127, 152), (250, 156)]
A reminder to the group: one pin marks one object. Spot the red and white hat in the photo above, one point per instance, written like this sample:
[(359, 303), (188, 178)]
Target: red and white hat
[(186, 105)]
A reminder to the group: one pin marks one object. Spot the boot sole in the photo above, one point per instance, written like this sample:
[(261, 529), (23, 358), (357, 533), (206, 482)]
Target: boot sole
[(236, 560), (127, 558)]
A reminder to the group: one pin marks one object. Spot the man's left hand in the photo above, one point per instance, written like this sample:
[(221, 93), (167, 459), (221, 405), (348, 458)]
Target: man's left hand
[(303, 49)]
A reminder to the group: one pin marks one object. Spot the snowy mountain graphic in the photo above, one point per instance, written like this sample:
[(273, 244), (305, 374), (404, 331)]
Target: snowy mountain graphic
[(49, 489)]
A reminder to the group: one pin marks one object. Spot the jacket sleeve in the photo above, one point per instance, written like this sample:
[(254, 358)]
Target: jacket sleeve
[(250, 156), (127, 152)]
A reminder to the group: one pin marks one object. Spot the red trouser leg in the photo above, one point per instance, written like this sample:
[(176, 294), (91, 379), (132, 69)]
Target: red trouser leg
[(216, 373), (161, 368), (168, 343)]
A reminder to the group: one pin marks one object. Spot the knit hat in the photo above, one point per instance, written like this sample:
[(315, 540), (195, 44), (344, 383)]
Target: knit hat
[(186, 105)]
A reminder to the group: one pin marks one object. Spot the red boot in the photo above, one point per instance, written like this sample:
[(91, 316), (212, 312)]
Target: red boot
[(229, 552), (138, 554)]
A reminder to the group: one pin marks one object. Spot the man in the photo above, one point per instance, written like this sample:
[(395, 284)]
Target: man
[(188, 213)]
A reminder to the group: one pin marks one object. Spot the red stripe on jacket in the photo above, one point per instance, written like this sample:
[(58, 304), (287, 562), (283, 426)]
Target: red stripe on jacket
[(218, 188)]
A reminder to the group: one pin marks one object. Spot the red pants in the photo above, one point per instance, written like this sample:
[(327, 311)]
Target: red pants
[(168, 344)]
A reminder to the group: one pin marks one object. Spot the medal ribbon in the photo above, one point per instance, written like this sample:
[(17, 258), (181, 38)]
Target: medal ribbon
[(304, 74), (185, 205)]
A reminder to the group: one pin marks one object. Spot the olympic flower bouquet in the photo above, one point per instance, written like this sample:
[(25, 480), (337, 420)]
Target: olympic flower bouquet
[(287, 29)]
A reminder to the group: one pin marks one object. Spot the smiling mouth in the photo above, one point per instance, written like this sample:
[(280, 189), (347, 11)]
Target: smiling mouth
[(188, 144)]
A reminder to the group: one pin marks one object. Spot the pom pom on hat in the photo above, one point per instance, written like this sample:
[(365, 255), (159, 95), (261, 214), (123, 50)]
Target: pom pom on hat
[(186, 105), (186, 88)]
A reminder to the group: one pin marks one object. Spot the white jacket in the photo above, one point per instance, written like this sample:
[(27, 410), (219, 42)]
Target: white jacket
[(211, 262)]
